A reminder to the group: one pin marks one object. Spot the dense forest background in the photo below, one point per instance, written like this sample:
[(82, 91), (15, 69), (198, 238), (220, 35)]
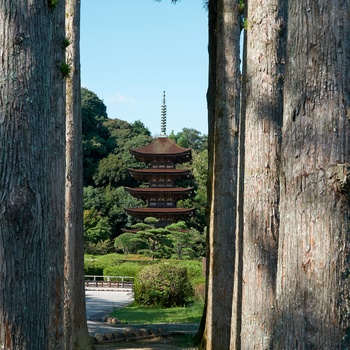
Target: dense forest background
[(106, 158)]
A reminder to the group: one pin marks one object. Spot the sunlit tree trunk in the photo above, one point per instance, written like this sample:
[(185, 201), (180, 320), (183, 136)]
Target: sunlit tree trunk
[(223, 109), (313, 279), (76, 333), (263, 101), (32, 168)]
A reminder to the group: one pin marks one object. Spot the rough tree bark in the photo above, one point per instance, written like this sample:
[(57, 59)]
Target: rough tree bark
[(76, 332), (223, 109), (32, 167), (313, 279), (263, 109)]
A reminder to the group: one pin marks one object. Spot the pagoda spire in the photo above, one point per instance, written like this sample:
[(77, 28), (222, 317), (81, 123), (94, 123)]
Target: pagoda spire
[(163, 118)]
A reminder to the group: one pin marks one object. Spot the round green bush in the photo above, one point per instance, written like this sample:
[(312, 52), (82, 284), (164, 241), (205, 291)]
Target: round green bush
[(163, 285)]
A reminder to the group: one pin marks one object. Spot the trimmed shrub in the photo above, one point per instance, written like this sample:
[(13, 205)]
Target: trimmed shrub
[(129, 243), (91, 266), (194, 269), (96, 264), (123, 269), (163, 285)]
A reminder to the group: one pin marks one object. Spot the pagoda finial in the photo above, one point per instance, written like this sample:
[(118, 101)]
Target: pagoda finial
[(163, 118)]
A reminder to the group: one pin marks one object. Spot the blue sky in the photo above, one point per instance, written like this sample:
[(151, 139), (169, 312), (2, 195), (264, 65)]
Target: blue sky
[(133, 50)]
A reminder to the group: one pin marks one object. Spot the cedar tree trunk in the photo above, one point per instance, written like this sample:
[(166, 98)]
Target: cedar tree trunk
[(32, 168), (263, 101), (223, 108), (76, 332), (313, 277)]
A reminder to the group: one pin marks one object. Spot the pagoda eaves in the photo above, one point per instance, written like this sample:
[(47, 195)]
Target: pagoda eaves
[(162, 150), (160, 177), (147, 193), (162, 214)]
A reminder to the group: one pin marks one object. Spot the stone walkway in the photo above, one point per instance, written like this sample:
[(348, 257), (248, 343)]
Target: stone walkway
[(100, 303)]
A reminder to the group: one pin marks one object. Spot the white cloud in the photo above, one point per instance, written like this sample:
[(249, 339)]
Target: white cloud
[(118, 97)]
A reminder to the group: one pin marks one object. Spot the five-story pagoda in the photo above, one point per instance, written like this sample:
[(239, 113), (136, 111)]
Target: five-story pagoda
[(161, 155)]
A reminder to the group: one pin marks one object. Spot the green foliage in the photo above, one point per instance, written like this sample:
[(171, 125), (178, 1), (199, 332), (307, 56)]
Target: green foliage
[(195, 270), (116, 199), (245, 24), (65, 69), (96, 227), (138, 128), (130, 265), (106, 204), (199, 169), (111, 170), (241, 6), (96, 143), (174, 241), (101, 247), (92, 266), (182, 241), (164, 285), (129, 269), (158, 244), (138, 314), (93, 198), (106, 144), (66, 42), (53, 3), (92, 107), (106, 262), (128, 243), (194, 267), (190, 138)]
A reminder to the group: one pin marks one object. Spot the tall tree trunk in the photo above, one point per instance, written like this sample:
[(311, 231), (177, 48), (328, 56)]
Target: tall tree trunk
[(32, 167), (223, 107), (76, 332), (263, 81), (313, 279), (199, 338)]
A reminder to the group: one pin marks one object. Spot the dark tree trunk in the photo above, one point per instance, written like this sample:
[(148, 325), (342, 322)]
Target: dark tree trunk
[(32, 168), (210, 104), (223, 107), (313, 280), (263, 101), (76, 332)]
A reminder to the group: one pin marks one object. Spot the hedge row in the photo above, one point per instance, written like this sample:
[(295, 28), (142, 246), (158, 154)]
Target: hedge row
[(130, 265), (166, 283)]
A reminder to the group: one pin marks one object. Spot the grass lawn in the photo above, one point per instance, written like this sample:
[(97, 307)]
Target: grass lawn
[(136, 314)]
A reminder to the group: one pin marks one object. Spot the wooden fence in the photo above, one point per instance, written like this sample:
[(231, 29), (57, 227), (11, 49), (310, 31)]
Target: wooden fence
[(93, 282)]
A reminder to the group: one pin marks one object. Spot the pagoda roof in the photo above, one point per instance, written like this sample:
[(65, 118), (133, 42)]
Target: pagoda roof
[(156, 171), (148, 191), (160, 213), (159, 173), (161, 146)]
